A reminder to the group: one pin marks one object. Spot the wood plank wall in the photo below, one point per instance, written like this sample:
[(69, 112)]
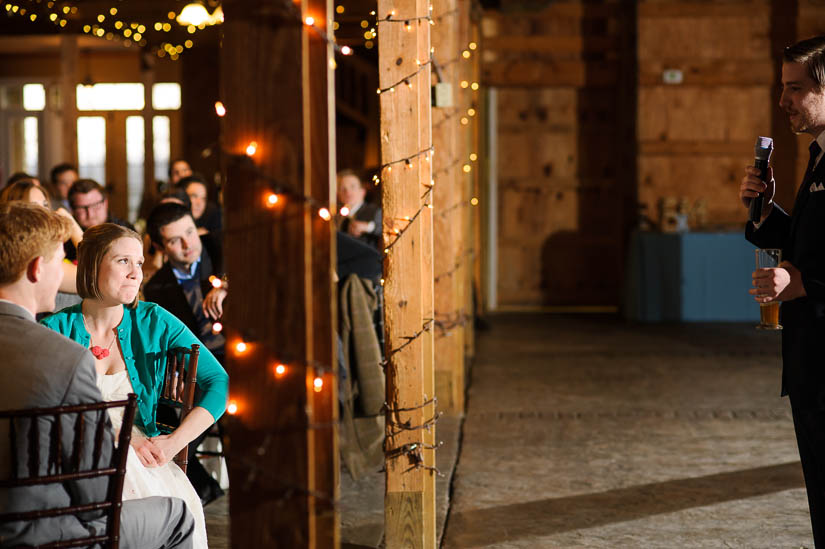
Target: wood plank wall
[(565, 166), (695, 137), (591, 132)]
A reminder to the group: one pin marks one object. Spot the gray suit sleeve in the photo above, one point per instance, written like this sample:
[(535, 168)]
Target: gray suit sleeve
[(83, 389)]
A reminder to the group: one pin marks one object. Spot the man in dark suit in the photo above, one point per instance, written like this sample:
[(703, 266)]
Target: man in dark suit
[(42, 369), (799, 281), (357, 218), (183, 287)]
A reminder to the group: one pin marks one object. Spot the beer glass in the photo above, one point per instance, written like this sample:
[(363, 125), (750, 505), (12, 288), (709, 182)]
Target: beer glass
[(769, 312)]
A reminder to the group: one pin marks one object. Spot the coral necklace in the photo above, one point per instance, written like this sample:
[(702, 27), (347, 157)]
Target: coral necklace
[(99, 352)]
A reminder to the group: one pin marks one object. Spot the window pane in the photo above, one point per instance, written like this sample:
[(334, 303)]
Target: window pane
[(91, 148), (135, 155), (30, 145), (110, 97), (166, 96), (162, 147), (34, 97), (23, 145)]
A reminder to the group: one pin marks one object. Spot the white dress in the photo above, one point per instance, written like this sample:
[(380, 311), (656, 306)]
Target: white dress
[(140, 481)]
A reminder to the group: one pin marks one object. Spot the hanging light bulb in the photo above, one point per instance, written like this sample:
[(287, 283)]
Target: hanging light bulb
[(193, 14)]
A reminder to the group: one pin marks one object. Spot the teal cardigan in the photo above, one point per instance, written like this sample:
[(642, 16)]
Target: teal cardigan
[(145, 334)]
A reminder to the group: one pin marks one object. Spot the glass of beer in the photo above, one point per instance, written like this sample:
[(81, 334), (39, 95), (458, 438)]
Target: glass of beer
[(767, 258)]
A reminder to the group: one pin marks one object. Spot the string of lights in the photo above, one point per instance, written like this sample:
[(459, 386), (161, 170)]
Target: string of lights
[(407, 79), (408, 340)]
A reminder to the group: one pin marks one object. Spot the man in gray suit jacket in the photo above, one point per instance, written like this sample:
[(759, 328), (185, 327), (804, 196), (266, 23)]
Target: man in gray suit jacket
[(41, 368)]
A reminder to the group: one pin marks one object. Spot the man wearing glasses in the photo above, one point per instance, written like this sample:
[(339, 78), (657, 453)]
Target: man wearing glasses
[(90, 207)]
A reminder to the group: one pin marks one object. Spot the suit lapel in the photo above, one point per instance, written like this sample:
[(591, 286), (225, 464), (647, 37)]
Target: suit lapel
[(802, 196)]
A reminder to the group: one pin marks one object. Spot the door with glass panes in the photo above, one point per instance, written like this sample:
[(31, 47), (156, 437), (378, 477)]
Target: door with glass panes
[(112, 137)]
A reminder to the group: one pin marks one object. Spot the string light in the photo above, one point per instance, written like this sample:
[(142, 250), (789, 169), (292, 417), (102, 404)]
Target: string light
[(271, 200), (220, 110), (280, 370), (344, 211), (252, 148), (318, 384), (217, 327), (232, 408), (474, 201), (473, 157), (324, 214), (241, 347), (309, 21), (404, 80)]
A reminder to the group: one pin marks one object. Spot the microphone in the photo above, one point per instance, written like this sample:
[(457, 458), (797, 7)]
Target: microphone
[(762, 153)]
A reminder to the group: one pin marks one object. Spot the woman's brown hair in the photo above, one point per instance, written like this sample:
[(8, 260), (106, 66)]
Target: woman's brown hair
[(96, 243)]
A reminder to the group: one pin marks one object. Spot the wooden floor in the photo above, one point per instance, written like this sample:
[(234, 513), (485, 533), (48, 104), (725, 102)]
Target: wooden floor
[(588, 432), (593, 433)]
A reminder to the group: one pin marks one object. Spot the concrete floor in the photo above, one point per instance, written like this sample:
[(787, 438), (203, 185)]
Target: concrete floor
[(590, 432)]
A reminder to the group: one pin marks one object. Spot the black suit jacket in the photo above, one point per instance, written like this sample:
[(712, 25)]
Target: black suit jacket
[(163, 289), (801, 237)]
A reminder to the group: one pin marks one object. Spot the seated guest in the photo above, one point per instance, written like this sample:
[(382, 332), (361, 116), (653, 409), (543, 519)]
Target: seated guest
[(42, 369), (90, 205), (21, 176), (178, 169), (25, 190), (182, 285), (207, 215), (129, 340), (155, 258), (362, 220), (62, 177)]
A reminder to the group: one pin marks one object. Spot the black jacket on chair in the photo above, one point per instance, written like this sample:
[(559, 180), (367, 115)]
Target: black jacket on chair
[(801, 237)]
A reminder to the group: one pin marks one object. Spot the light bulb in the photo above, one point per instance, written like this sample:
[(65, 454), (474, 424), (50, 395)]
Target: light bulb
[(280, 370), (252, 148), (318, 384), (193, 14), (324, 214), (220, 109), (232, 408), (271, 200), (217, 327), (344, 211), (240, 347)]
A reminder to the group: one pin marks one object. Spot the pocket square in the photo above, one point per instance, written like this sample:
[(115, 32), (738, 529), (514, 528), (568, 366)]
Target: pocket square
[(817, 187)]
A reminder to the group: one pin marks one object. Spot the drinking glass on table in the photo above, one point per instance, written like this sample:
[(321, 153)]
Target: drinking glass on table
[(768, 258)]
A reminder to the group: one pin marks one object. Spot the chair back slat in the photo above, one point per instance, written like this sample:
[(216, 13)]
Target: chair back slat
[(179, 388), (34, 448), (79, 431), (13, 444), (53, 471), (58, 427)]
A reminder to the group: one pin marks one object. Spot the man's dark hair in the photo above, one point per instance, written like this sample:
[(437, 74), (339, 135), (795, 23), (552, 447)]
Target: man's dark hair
[(19, 176), (162, 215), (83, 186), (811, 53), (194, 178), (59, 169)]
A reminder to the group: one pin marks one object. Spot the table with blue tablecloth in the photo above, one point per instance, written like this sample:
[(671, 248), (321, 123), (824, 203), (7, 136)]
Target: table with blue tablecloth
[(690, 277)]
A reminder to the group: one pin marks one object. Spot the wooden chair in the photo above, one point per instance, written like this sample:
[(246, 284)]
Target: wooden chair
[(179, 389), (56, 469)]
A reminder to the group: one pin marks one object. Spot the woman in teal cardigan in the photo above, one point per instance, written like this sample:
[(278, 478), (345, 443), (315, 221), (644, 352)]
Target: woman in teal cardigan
[(129, 339)]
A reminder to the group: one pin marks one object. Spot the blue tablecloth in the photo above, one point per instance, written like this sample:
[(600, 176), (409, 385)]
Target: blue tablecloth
[(693, 277)]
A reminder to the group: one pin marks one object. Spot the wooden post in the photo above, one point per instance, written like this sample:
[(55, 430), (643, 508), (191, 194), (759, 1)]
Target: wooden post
[(447, 196), (283, 458), (465, 272), (68, 97), (404, 68)]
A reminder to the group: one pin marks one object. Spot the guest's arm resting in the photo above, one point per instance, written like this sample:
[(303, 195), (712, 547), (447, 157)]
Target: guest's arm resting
[(212, 378), (195, 423)]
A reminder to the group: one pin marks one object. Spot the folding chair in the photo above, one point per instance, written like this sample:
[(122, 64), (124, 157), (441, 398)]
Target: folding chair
[(63, 464), (179, 389)]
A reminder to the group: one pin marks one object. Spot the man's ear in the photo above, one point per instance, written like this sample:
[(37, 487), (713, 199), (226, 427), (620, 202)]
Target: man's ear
[(34, 270)]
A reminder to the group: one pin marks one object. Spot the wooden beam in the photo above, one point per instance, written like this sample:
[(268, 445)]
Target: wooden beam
[(449, 365), (409, 516), (464, 279), (712, 72), (68, 97), (280, 260)]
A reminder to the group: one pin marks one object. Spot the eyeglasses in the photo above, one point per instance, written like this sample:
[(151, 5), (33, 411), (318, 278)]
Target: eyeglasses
[(90, 208)]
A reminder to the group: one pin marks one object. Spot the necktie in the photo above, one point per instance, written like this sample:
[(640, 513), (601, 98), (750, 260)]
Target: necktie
[(815, 150)]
